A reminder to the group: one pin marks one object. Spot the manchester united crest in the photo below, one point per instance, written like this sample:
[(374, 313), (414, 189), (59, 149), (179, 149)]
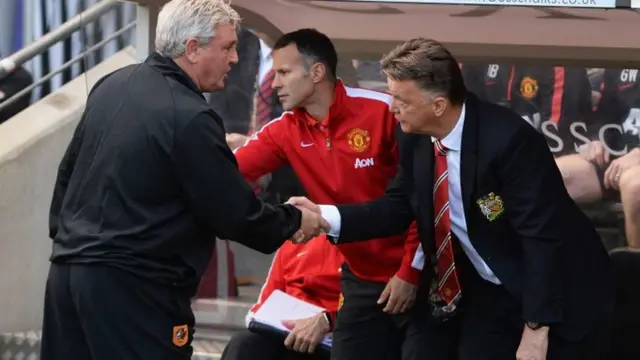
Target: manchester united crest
[(529, 87), (491, 206), (359, 139)]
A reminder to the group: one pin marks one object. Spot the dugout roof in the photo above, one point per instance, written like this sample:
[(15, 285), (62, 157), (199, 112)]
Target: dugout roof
[(605, 35)]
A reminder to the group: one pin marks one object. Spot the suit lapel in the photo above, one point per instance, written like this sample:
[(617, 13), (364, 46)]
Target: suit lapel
[(468, 156)]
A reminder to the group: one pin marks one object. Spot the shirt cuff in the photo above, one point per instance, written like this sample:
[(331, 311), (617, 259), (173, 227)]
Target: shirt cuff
[(332, 215)]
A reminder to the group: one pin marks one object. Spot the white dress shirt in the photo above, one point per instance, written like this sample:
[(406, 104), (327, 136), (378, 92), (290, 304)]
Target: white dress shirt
[(453, 142)]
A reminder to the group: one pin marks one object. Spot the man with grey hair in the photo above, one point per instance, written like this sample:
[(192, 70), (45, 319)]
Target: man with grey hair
[(144, 188)]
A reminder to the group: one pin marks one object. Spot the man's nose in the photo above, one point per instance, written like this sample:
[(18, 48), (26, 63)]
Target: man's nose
[(233, 59), (392, 107), (276, 83)]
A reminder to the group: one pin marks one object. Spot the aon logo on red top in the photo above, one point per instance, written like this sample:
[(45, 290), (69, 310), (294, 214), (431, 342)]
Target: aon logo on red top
[(363, 163)]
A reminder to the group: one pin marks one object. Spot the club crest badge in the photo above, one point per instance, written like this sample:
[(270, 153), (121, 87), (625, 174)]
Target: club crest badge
[(359, 139), (180, 335), (491, 206), (529, 87)]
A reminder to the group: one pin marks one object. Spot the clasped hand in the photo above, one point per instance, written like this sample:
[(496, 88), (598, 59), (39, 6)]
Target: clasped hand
[(312, 224)]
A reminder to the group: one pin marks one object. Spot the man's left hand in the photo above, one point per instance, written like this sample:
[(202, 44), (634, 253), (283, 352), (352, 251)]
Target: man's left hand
[(618, 166), (534, 344), (399, 296), (306, 334)]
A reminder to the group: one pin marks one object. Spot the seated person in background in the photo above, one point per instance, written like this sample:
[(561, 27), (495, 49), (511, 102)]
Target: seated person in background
[(309, 272), (488, 81), (551, 99), (609, 166), (15, 82)]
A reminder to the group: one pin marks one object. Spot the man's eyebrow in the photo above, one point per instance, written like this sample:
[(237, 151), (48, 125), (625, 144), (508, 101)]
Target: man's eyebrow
[(394, 95)]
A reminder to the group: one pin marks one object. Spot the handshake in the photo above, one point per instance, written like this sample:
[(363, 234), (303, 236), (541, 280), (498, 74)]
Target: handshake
[(312, 223)]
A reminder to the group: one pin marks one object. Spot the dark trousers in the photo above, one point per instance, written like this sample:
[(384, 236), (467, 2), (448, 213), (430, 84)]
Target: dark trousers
[(491, 323), (364, 331), (246, 345), (98, 312)]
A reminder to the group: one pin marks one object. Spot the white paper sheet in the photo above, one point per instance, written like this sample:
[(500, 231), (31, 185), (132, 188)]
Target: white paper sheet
[(280, 306)]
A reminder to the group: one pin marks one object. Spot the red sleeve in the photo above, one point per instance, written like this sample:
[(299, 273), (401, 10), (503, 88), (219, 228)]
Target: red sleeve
[(263, 152), (274, 281), (413, 259)]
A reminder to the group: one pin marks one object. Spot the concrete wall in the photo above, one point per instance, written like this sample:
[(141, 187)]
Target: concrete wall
[(31, 146)]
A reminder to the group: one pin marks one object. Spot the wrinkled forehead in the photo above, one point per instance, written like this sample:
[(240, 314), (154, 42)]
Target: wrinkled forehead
[(403, 89), (225, 33)]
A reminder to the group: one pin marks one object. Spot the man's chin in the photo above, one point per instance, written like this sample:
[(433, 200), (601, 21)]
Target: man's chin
[(406, 128), (216, 87)]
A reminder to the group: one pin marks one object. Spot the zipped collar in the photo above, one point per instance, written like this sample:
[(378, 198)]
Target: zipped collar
[(338, 110), (169, 68)]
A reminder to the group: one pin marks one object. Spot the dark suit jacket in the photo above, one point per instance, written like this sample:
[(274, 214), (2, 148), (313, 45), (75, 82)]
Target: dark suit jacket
[(543, 248)]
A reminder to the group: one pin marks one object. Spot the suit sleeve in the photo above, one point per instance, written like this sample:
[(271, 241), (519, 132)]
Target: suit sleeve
[(219, 197), (262, 153), (413, 259), (390, 214), (533, 195)]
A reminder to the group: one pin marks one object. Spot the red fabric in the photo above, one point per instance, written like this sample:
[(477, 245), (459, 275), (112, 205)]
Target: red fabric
[(264, 100), (309, 272), (448, 285), (350, 157), (208, 288)]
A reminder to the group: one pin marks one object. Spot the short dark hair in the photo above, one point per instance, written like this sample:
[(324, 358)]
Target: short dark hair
[(314, 46), (430, 65)]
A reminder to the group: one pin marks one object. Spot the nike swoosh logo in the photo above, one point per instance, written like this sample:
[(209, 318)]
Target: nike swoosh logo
[(304, 144)]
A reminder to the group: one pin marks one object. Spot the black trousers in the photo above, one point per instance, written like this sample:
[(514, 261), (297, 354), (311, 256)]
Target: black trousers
[(98, 312), (246, 345), (491, 325), (364, 331)]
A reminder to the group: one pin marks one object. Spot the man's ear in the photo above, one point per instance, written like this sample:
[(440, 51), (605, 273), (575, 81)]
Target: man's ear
[(191, 50), (318, 72), (440, 105)]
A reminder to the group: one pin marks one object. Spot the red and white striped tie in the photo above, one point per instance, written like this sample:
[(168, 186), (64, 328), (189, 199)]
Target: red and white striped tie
[(448, 284)]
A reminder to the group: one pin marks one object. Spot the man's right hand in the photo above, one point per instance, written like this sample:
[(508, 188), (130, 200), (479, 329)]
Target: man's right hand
[(595, 152), (312, 225)]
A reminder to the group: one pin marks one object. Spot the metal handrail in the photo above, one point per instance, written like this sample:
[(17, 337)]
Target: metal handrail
[(8, 64), (15, 97)]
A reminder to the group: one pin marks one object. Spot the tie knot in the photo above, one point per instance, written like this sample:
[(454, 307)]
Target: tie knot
[(440, 149)]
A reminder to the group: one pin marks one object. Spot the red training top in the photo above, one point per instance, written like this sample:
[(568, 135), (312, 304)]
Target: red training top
[(309, 272), (350, 157)]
